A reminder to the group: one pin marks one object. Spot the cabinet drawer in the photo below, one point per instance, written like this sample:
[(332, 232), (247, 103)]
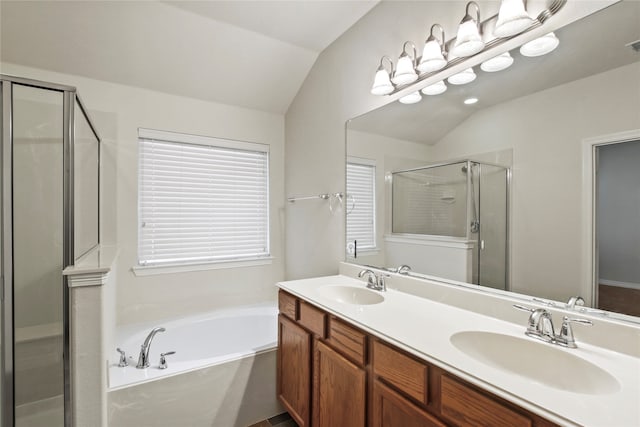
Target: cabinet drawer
[(401, 371), (287, 304), (466, 406), (392, 410), (348, 340), (312, 318)]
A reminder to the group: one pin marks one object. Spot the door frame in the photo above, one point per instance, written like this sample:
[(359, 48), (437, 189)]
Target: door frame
[(589, 277)]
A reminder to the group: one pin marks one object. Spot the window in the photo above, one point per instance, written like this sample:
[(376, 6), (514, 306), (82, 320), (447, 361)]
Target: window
[(361, 188), (201, 199)]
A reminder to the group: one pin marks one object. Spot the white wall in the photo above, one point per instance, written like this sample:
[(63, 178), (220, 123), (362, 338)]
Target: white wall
[(618, 213), (118, 111), (546, 228)]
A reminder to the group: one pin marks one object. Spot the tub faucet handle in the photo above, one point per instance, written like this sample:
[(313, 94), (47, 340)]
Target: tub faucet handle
[(163, 360), (123, 358)]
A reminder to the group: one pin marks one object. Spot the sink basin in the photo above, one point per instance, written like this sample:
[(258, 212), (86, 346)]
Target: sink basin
[(351, 295), (536, 361)]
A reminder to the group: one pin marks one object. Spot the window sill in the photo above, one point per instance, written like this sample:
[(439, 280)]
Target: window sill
[(151, 270), (367, 252)]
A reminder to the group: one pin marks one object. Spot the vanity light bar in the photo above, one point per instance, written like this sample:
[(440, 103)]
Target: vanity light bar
[(389, 82)]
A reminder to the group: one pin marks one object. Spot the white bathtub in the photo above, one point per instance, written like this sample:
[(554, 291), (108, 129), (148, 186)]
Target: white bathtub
[(223, 372)]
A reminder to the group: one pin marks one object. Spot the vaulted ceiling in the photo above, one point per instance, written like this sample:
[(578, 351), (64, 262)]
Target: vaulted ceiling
[(254, 54)]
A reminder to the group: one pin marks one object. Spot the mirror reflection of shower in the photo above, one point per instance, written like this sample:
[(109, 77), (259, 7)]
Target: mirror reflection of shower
[(450, 220)]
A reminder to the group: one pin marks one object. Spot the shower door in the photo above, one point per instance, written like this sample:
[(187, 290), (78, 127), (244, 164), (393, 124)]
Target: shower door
[(38, 255), (493, 215), (50, 155)]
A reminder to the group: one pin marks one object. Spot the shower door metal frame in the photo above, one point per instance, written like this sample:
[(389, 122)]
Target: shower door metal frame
[(6, 230), (70, 98), (507, 251)]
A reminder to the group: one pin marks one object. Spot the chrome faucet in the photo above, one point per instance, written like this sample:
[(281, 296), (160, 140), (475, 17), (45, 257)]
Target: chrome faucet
[(540, 326), (403, 269), (374, 282), (573, 301), (143, 359)]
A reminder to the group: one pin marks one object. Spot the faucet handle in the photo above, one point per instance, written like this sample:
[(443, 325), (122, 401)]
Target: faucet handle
[(523, 308), (123, 358), (566, 332), (382, 285), (573, 301), (163, 360)]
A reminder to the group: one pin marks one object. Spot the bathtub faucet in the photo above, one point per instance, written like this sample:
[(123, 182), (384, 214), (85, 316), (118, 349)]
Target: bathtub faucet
[(143, 359)]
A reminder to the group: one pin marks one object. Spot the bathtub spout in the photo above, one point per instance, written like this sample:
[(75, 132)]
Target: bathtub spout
[(143, 359)]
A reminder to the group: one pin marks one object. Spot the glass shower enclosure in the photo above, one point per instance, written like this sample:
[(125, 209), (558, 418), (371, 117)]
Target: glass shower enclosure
[(463, 203), (49, 184)]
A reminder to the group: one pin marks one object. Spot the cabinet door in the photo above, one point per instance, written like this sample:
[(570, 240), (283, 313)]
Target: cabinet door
[(339, 393), (392, 410), (294, 370)]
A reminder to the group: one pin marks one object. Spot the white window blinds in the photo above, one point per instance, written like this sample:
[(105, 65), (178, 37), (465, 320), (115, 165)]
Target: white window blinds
[(361, 187), (201, 199)]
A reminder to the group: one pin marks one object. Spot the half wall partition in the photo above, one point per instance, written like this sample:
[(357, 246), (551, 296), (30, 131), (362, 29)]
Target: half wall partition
[(50, 216)]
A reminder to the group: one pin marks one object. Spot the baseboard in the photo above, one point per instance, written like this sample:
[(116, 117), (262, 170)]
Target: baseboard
[(628, 285)]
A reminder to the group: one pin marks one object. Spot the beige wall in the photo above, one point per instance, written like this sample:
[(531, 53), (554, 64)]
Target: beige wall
[(118, 111), (546, 132)]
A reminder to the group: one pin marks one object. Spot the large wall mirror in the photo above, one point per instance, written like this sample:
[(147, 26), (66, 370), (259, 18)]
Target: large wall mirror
[(498, 193)]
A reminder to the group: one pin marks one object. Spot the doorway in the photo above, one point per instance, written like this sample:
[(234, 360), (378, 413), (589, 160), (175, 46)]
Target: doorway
[(617, 227)]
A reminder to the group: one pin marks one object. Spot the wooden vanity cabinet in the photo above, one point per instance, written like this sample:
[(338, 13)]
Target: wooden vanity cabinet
[(294, 370), (331, 374), (339, 389)]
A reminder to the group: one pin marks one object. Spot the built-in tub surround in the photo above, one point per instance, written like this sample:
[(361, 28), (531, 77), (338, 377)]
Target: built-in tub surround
[(222, 372), (424, 325)]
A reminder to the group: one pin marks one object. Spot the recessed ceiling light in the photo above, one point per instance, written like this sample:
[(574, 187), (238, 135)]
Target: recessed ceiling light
[(470, 101)]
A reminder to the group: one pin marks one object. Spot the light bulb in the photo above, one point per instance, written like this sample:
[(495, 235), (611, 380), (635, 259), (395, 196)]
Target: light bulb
[(435, 89), (463, 77), (382, 83), (540, 46), (411, 98), (433, 54), (432, 58), (512, 19), (497, 63), (405, 73), (468, 40)]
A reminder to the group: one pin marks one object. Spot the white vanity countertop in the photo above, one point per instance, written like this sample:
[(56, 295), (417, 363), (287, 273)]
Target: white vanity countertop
[(423, 327)]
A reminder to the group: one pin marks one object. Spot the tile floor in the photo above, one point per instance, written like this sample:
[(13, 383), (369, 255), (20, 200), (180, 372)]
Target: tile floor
[(282, 420)]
